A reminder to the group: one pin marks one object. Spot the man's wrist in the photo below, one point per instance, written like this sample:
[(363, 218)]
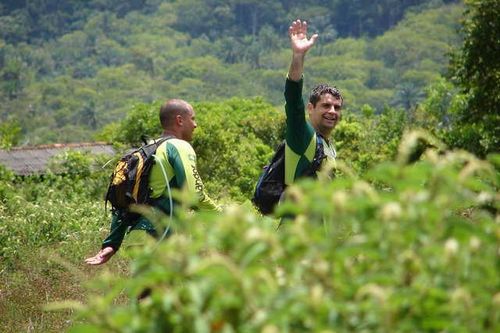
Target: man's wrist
[(295, 79), (115, 247), (298, 54)]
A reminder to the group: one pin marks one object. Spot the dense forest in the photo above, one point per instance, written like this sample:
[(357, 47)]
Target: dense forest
[(69, 68)]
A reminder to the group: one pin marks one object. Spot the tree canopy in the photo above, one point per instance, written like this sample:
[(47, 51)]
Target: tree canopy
[(102, 57), (476, 70)]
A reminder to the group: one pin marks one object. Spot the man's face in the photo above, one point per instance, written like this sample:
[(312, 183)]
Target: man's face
[(325, 115), (188, 124)]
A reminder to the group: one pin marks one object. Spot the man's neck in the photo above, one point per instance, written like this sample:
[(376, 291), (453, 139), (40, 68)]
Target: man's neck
[(170, 133), (324, 135)]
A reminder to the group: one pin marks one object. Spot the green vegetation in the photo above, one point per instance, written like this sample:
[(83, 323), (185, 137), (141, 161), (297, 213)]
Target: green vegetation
[(416, 252), (404, 239), (58, 216), (477, 71), (404, 247), (235, 138), (76, 67)]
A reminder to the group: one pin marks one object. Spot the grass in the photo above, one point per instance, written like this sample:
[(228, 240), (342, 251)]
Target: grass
[(44, 275)]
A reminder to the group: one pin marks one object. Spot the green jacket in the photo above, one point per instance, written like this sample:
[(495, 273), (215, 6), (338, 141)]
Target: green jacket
[(300, 136)]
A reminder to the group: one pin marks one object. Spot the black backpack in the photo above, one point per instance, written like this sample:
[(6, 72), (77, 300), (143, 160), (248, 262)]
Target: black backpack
[(271, 182), (129, 183)]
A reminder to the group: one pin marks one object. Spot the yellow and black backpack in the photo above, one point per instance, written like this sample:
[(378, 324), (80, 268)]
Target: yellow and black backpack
[(129, 182)]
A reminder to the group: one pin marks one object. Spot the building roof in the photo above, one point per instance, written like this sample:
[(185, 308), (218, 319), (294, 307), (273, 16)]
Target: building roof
[(34, 160)]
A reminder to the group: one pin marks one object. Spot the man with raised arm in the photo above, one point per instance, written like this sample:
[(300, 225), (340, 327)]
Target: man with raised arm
[(177, 159), (324, 110)]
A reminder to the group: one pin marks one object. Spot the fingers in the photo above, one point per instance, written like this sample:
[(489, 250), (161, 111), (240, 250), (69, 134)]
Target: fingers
[(93, 260), (313, 38), (298, 27), (96, 260)]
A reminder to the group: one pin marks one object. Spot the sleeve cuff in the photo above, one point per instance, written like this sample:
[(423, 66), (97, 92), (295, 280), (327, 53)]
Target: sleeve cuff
[(299, 81), (293, 90), (115, 247)]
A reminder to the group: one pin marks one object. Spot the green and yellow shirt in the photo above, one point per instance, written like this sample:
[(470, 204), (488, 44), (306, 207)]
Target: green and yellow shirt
[(300, 136), (175, 163)]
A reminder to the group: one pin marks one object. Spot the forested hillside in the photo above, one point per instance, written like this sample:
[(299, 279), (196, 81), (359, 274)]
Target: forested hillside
[(68, 68), (404, 237)]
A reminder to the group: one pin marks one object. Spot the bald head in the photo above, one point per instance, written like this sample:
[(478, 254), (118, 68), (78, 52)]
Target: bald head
[(178, 119), (171, 109)]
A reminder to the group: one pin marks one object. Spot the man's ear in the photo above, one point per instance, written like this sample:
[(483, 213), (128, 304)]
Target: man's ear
[(178, 120), (309, 107)]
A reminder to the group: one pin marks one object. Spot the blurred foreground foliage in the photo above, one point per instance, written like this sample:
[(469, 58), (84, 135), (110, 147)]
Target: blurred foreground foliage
[(404, 247)]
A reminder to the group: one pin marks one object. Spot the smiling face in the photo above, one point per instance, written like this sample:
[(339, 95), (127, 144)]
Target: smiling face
[(325, 115)]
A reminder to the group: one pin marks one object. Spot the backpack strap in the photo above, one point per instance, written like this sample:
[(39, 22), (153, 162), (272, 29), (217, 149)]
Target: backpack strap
[(170, 200), (319, 154), (162, 139)]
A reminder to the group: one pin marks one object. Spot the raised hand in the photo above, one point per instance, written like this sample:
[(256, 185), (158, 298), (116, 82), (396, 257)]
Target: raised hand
[(298, 37), (101, 257)]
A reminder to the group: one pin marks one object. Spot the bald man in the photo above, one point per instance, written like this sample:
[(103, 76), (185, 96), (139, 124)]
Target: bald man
[(175, 161)]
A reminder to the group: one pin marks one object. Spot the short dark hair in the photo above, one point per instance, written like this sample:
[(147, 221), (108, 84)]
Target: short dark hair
[(170, 109), (322, 89)]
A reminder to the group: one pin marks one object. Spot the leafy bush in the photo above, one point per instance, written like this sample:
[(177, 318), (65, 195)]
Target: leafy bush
[(404, 248), (366, 140), (59, 207), (233, 141), (5, 177)]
